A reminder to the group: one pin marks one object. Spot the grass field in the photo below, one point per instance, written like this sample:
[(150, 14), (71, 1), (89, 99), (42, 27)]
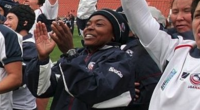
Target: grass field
[(56, 53)]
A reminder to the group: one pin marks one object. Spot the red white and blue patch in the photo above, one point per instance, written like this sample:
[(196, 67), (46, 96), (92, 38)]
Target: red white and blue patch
[(91, 65), (195, 79)]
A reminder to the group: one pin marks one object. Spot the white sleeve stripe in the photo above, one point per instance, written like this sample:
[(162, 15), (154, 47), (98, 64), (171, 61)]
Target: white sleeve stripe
[(44, 78), (66, 88), (122, 100)]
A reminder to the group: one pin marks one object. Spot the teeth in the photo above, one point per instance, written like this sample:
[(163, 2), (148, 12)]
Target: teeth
[(88, 36)]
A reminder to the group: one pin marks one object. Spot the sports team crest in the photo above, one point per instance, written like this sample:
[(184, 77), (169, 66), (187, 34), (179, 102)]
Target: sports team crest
[(195, 78), (130, 52), (91, 65)]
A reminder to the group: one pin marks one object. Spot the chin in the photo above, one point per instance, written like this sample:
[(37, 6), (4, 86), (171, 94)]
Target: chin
[(88, 44)]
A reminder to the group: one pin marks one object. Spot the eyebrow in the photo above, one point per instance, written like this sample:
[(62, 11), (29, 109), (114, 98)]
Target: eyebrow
[(198, 11)]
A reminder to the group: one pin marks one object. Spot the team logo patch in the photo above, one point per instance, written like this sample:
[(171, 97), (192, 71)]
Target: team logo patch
[(195, 79), (91, 65), (184, 75), (130, 52), (112, 69)]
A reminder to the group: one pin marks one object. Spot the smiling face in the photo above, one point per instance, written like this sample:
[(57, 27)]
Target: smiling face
[(196, 25), (181, 15), (11, 21), (98, 32)]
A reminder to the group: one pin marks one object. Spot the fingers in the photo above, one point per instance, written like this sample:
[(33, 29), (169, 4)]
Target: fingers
[(61, 30), (37, 32), (43, 29), (137, 90), (40, 32), (137, 84), (54, 37)]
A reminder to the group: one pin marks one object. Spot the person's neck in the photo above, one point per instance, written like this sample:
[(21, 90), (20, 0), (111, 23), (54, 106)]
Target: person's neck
[(23, 33)]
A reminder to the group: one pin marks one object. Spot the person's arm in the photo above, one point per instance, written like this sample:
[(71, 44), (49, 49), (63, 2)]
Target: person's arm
[(86, 8), (52, 2), (42, 103), (110, 80), (157, 42), (14, 77), (38, 71), (50, 9), (10, 60)]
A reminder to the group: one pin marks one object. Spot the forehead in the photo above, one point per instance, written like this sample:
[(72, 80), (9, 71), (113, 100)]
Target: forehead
[(181, 3), (11, 15)]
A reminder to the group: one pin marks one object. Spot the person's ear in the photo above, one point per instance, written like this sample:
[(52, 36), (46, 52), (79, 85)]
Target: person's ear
[(25, 23)]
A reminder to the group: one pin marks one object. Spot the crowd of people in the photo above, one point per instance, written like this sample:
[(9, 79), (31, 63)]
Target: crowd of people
[(129, 60)]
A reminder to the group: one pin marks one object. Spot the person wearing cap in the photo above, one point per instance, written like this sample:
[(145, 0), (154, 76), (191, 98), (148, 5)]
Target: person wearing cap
[(5, 6), (97, 76), (21, 18), (147, 75)]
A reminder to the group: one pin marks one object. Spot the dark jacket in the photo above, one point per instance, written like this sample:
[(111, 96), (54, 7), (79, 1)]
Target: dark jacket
[(84, 80), (146, 72), (174, 34)]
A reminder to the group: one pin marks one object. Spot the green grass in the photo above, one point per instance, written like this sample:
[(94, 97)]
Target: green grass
[(56, 54)]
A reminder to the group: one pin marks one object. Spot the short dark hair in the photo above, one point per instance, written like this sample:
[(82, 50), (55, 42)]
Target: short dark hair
[(41, 2), (194, 6)]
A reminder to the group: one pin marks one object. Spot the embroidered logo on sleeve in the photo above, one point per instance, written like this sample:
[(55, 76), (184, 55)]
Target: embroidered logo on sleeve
[(112, 69), (173, 72)]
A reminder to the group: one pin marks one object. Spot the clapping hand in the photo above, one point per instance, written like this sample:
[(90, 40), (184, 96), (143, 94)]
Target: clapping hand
[(44, 43), (62, 36)]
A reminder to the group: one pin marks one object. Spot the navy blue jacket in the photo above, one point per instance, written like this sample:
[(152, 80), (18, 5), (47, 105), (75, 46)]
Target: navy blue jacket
[(186, 35), (146, 72), (86, 80)]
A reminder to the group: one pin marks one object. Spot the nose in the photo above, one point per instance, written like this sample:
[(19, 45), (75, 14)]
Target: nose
[(180, 16), (90, 26), (5, 22)]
